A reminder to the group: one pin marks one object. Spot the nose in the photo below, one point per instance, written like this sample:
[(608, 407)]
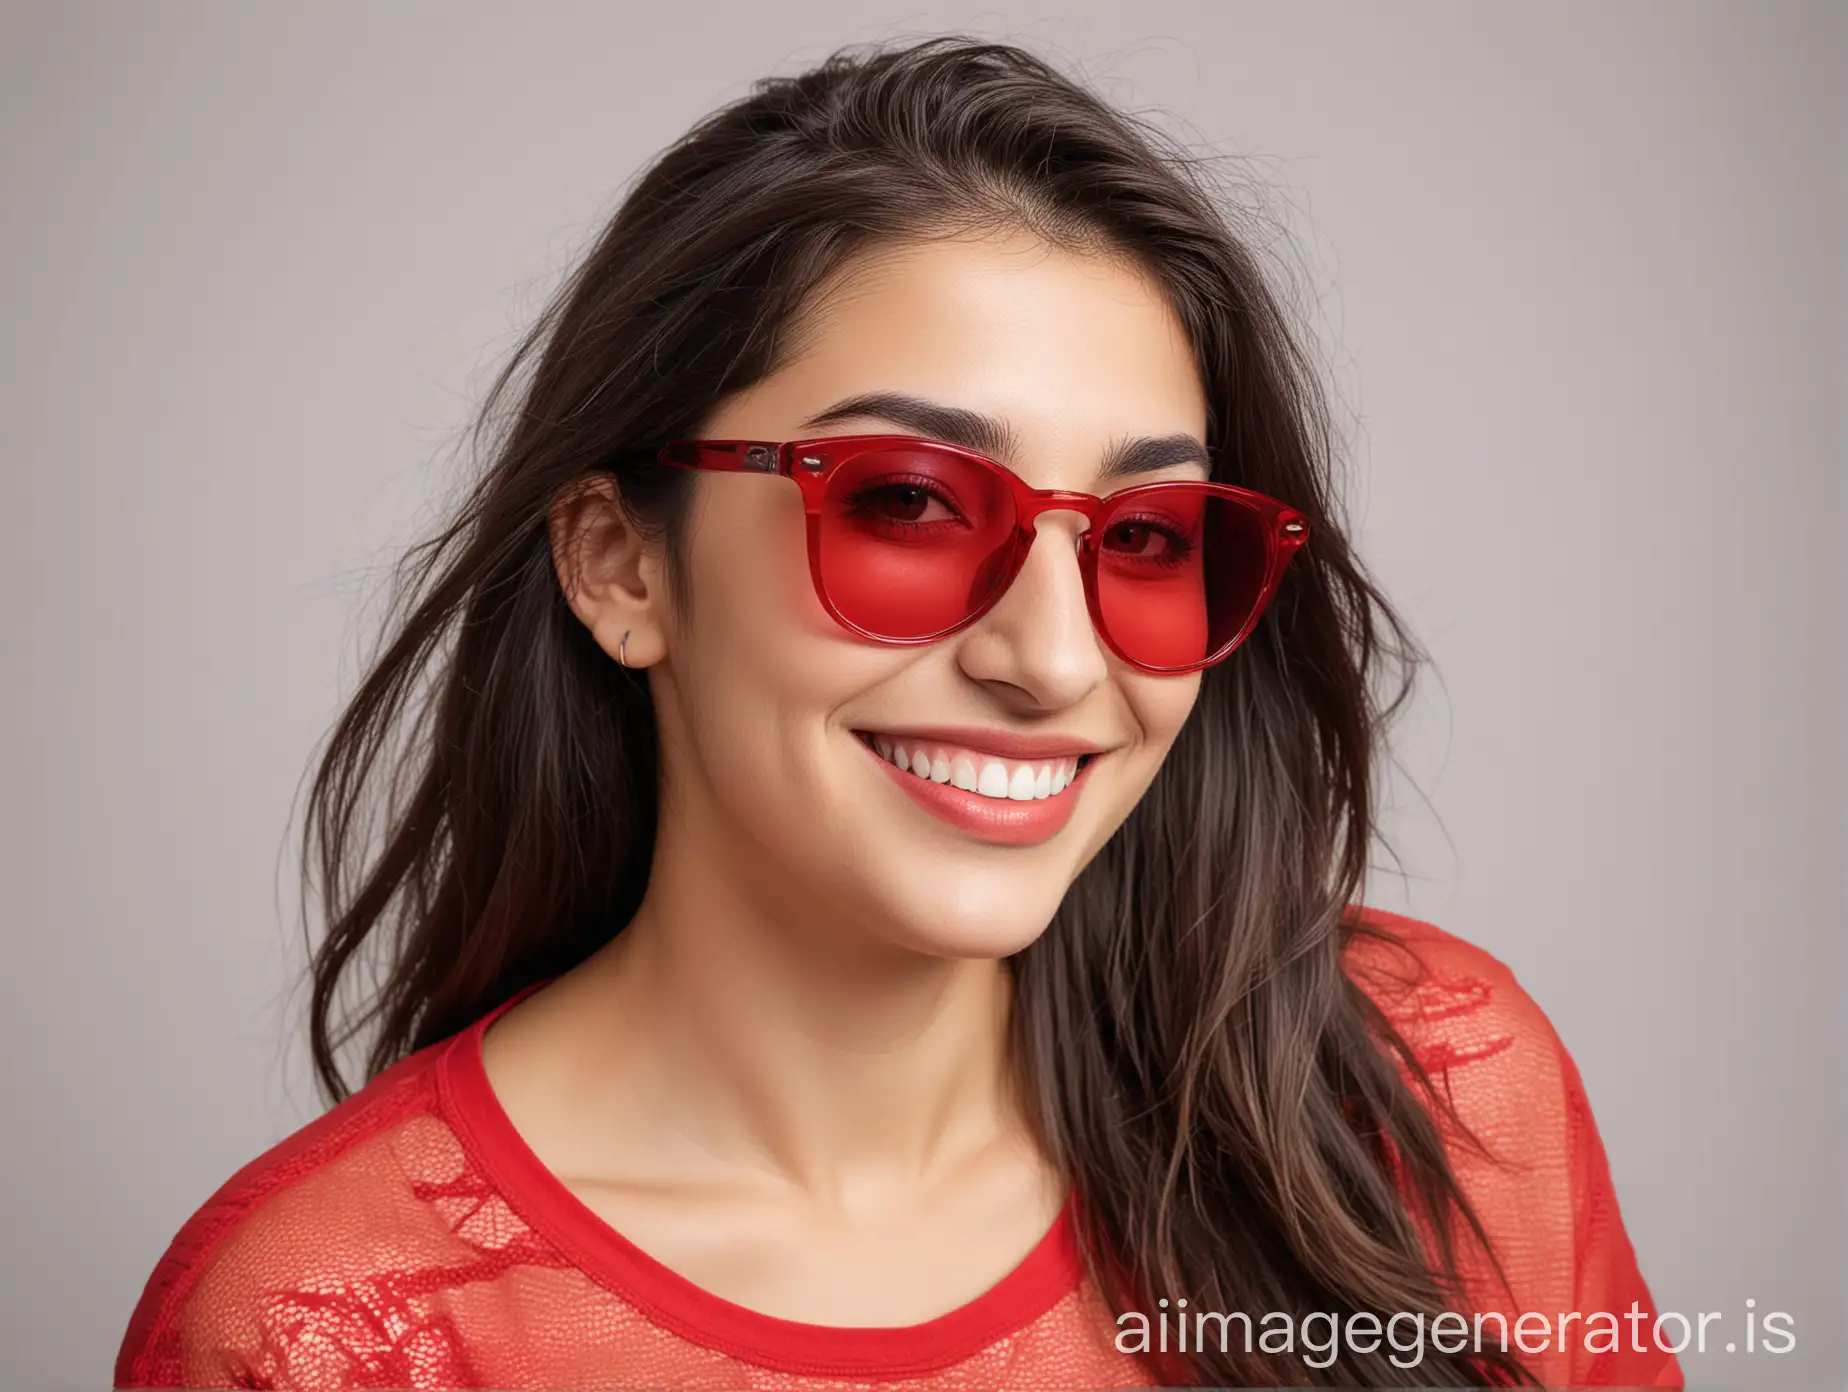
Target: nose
[(1037, 644)]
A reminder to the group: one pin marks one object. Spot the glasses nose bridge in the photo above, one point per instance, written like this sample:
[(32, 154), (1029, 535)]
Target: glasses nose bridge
[(1039, 501)]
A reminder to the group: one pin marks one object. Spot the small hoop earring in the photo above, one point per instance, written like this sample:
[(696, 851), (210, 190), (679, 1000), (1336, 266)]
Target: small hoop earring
[(622, 649)]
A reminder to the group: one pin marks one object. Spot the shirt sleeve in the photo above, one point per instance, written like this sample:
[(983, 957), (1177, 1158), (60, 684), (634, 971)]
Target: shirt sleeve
[(1606, 1278), (1527, 1157)]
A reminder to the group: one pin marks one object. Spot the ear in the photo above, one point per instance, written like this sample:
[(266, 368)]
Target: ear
[(613, 577)]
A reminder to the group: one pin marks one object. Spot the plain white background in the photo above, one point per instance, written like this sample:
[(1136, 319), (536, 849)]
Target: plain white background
[(1577, 274)]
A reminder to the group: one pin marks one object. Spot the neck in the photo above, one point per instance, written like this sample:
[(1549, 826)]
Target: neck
[(777, 1040)]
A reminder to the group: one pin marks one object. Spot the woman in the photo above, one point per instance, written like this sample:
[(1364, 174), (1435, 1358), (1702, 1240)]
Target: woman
[(873, 894)]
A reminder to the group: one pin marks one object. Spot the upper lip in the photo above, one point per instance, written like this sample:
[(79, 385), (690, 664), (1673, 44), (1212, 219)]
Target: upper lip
[(1003, 744)]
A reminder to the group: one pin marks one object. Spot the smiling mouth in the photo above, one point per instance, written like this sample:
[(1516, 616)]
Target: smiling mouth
[(984, 775)]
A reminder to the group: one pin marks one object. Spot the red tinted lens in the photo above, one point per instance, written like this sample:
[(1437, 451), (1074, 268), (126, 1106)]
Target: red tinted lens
[(914, 540), (1179, 572)]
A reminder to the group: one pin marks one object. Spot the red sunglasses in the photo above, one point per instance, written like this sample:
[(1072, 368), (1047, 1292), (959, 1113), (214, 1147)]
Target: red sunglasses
[(911, 540)]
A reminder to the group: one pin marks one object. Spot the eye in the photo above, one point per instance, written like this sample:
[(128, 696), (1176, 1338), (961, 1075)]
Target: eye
[(1143, 540), (1149, 546), (904, 501)]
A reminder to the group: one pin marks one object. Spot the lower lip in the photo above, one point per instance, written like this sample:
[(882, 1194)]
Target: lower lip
[(999, 821)]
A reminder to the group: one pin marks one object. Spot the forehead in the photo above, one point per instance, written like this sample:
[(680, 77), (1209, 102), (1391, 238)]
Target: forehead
[(1074, 354)]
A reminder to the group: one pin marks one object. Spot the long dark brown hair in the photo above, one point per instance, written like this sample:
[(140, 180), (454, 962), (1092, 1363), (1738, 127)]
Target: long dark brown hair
[(1221, 1094)]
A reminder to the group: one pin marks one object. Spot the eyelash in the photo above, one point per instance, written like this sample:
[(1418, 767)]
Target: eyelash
[(1179, 546), (931, 487)]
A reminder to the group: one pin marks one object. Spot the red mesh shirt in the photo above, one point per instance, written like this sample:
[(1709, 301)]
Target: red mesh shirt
[(408, 1238)]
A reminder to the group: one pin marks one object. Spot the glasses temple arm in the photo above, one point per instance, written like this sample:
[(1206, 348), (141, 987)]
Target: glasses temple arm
[(725, 456)]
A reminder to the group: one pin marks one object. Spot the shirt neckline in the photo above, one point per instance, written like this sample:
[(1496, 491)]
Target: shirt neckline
[(1045, 1276)]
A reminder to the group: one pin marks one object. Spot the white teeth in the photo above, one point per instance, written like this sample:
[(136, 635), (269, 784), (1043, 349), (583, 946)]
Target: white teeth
[(989, 777)]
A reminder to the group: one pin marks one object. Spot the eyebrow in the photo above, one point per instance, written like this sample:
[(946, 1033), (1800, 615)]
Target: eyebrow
[(985, 434)]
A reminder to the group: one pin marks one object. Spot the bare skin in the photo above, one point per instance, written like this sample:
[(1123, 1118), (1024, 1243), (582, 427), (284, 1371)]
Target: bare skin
[(787, 1079)]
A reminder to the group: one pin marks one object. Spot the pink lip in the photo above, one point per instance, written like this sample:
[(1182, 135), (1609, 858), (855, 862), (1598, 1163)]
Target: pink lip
[(1003, 744), (1002, 822)]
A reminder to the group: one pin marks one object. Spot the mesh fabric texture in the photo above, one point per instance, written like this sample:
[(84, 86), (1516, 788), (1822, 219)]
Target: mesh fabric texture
[(408, 1239)]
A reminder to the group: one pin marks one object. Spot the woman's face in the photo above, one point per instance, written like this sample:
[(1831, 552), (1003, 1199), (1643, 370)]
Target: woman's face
[(780, 730)]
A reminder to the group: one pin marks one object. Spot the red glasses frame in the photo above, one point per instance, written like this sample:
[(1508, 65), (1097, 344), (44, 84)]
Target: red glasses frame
[(811, 463)]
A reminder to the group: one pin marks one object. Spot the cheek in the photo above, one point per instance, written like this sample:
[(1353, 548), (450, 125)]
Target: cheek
[(740, 658), (761, 667), (1161, 705), (747, 546)]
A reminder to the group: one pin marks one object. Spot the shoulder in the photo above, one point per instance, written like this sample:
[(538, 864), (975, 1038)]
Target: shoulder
[(1504, 1093), (1519, 1136), (322, 1204), (1453, 1002), (1512, 1093)]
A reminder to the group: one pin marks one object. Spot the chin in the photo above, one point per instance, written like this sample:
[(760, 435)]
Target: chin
[(979, 917), (981, 942)]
